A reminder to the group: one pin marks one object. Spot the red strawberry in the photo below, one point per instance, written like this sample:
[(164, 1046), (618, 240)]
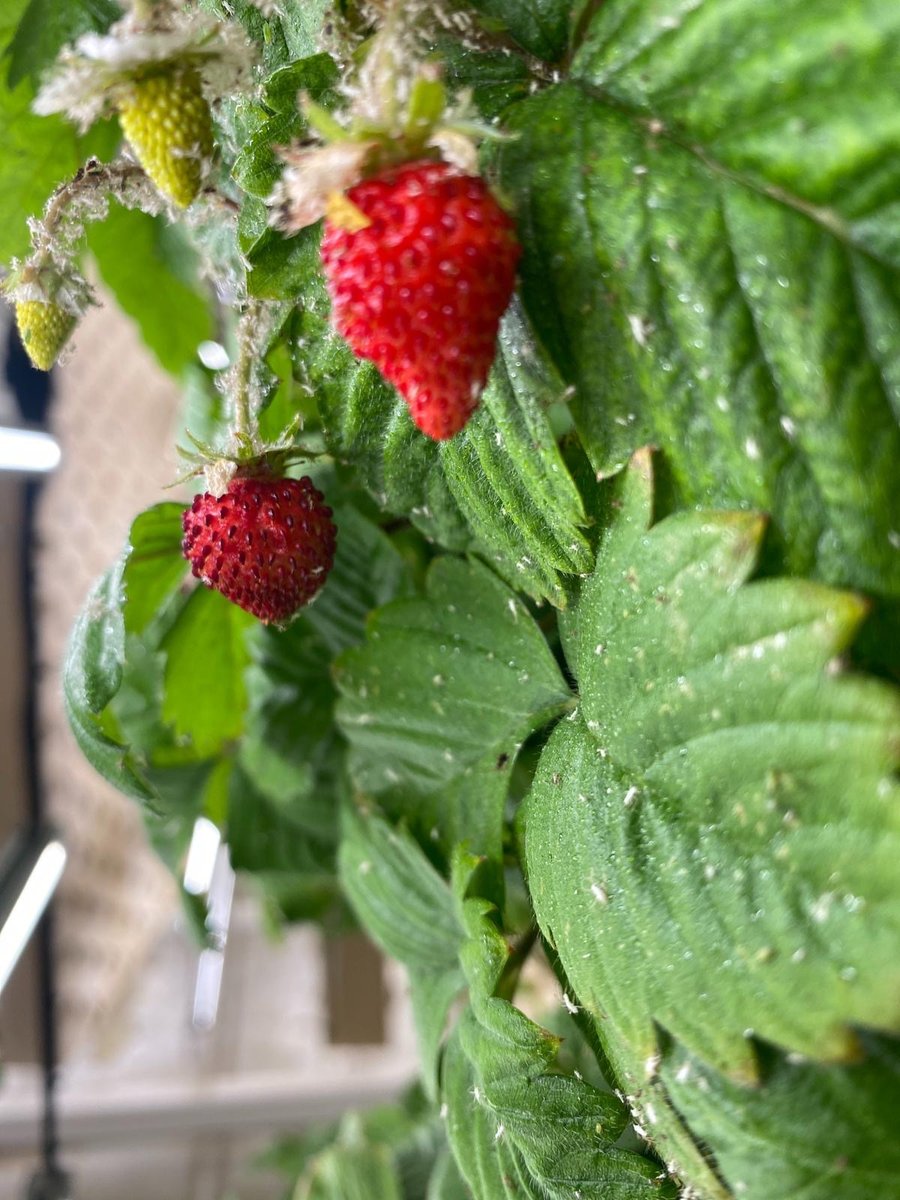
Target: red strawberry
[(267, 544), (420, 290)]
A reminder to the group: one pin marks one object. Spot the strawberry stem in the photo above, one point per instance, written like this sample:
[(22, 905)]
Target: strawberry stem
[(244, 417), (74, 202)]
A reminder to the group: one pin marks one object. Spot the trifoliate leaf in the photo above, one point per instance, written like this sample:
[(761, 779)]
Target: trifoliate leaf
[(712, 842)]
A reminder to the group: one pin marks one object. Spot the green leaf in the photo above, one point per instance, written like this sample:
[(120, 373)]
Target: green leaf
[(137, 705), (94, 663), (527, 519), (446, 1183), (408, 909), (563, 1142), (512, 1115), (114, 677), (778, 101), (705, 310), (38, 153), (257, 166), (730, 820), (92, 675), (141, 259), (155, 565), (352, 1173), (432, 996), (263, 839), (437, 702), (293, 33), (443, 680), (279, 266), (109, 757), (408, 1132), (471, 1129), (302, 27), (368, 571), (47, 26), (290, 749), (493, 78), (206, 653), (9, 22), (823, 1133), (186, 780), (400, 898), (540, 26), (291, 695)]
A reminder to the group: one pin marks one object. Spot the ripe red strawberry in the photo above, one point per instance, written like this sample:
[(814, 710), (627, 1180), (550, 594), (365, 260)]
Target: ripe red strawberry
[(420, 290), (267, 544)]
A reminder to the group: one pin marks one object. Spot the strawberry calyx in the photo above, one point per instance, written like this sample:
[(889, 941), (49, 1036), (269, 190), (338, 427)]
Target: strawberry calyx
[(400, 112), (246, 457), (39, 279)]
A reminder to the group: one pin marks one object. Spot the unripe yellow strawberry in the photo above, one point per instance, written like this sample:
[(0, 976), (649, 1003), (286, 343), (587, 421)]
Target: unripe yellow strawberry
[(166, 118), (44, 328)]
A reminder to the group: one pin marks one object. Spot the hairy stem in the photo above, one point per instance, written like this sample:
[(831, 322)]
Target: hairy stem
[(242, 378), (83, 198)]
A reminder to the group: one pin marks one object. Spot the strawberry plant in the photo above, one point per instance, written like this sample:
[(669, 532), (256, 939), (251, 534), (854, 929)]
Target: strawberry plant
[(602, 669)]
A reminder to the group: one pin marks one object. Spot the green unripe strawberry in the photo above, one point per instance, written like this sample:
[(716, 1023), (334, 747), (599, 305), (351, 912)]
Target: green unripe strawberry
[(44, 328), (166, 118)]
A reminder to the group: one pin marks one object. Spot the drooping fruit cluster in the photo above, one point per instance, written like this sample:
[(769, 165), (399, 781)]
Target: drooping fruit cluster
[(267, 544), (420, 288), (44, 328), (165, 117)]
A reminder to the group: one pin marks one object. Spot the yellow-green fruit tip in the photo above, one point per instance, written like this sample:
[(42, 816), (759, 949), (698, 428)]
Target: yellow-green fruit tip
[(167, 120), (44, 328)]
